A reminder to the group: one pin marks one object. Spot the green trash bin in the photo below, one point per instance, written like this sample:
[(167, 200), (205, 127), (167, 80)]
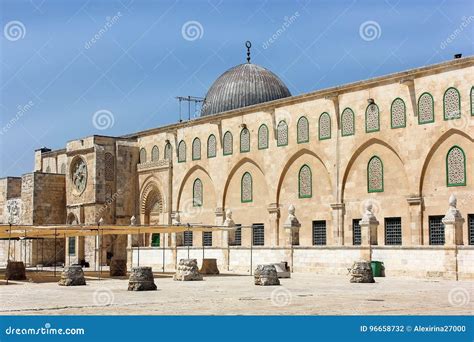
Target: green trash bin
[(376, 268)]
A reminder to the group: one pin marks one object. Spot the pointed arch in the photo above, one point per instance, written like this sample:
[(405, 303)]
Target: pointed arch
[(197, 193), (398, 115), (142, 155), (155, 153), (168, 151), (426, 109)]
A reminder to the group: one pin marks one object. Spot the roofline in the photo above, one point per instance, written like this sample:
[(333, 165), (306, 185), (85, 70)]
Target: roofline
[(337, 90)]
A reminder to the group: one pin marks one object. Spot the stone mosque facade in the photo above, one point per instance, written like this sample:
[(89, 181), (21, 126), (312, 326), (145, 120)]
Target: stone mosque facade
[(403, 142)]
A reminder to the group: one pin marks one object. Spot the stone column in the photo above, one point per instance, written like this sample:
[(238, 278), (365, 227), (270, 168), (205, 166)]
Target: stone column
[(222, 238), (338, 211), (176, 220), (453, 222), (416, 220), (292, 227), (368, 229), (129, 252), (274, 216), (227, 235)]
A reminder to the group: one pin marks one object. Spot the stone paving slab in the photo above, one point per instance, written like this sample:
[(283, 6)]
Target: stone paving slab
[(303, 294)]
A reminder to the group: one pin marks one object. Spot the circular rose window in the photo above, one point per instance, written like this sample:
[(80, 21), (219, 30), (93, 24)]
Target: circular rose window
[(79, 175)]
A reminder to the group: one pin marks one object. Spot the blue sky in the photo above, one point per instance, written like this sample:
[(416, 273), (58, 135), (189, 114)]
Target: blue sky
[(53, 78)]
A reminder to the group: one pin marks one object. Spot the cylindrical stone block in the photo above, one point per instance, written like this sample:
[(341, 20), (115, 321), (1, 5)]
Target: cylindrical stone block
[(209, 266), (118, 268), (15, 271), (72, 276), (141, 279), (266, 275), (361, 272)]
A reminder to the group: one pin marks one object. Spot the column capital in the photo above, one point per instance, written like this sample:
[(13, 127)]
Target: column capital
[(337, 206), (273, 208), (415, 200)]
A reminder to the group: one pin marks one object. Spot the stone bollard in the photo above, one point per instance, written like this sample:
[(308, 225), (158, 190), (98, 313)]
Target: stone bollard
[(15, 271), (118, 267), (361, 272), (209, 266), (72, 276), (141, 279), (187, 270), (266, 275)]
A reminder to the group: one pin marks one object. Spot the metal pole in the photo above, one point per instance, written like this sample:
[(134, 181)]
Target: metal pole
[(95, 249), (42, 251), (163, 242), (9, 237), (139, 242), (188, 245), (55, 231), (251, 250), (101, 238), (24, 246)]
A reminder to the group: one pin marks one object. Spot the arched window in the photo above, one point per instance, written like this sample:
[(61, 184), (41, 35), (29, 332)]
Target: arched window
[(347, 122), (181, 151), (142, 156), (109, 167), (472, 100), (263, 137), (425, 108), (451, 104), (398, 113), (245, 140), (155, 154), (324, 126), (282, 133), (246, 188), (375, 175), (63, 168), (372, 118), (168, 151), (211, 146), (197, 193), (48, 169), (302, 130), (228, 148), (455, 167), (305, 182), (196, 149)]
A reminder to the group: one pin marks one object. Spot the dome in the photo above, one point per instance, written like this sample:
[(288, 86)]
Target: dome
[(241, 86)]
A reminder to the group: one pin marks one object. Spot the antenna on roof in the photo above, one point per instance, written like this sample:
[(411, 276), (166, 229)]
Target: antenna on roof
[(248, 44), (189, 99)]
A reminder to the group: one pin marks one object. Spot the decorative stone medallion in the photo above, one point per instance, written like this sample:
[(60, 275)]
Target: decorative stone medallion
[(79, 175)]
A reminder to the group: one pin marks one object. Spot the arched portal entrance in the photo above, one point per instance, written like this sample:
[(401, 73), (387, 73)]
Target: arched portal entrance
[(151, 212)]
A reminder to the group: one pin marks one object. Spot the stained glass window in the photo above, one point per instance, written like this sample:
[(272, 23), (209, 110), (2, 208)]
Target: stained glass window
[(263, 137), (452, 104), (372, 120), (324, 126), (142, 156), (168, 151), (196, 149), (181, 151), (211, 146), (347, 122), (282, 134), (197, 193), (398, 113), (425, 108), (109, 166), (305, 182), (302, 130), (245, 140), (155, 155), (456, 167), (375, 175), (246, 188), (228, 148)]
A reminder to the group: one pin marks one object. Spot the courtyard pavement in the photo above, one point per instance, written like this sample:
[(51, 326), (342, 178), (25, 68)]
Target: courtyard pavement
[(303, 294)]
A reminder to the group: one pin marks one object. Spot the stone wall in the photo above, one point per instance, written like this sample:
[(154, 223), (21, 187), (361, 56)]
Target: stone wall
[(10, 190), (423, 262)]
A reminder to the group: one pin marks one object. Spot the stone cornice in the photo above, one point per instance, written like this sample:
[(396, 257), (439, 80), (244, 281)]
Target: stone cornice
[(154, 165)]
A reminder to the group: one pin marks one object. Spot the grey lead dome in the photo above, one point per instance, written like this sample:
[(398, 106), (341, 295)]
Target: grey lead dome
[(241, 86)]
